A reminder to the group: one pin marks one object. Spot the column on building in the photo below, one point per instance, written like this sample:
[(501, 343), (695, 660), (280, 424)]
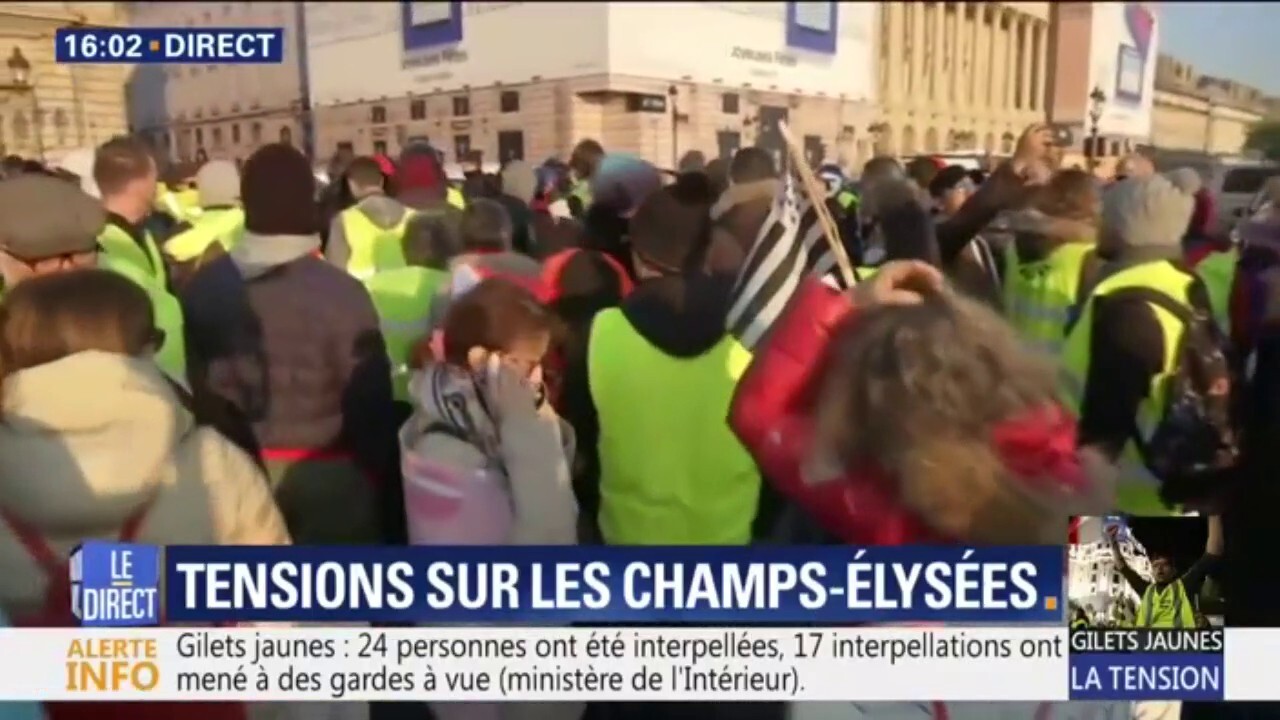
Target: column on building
[(990, 72), (891, 37), (919, 73), (1011, 59), (954, 19), (1026, 59), (940, 80)]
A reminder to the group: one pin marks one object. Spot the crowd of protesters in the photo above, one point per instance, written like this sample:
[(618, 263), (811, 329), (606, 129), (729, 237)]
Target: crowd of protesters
[(244, 355)]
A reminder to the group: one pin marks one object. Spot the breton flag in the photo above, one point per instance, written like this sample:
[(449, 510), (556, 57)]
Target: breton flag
[(791, 244)]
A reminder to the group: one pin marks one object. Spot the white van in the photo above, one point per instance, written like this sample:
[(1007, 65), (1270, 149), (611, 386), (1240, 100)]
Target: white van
[(1233, 182)]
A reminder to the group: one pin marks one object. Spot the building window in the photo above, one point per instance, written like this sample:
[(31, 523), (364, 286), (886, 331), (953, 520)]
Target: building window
[(255, 133), (379, 147), (418, 110), (235, 133), (509, 101), (729, 103), (199, 136), (217, 138), (378, 115), (510, 145), (286, 135), (346, 147), (461, 105), (815, 150), (728, 142), (461, 145)]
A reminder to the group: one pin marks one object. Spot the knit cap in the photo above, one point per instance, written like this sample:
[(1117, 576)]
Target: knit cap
[(1146, 212), (278, 191), (218, 183)]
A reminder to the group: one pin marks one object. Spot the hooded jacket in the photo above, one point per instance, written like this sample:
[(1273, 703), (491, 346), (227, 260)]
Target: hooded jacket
[(384, 212), (773, 415), (89, 440), (452, 438)]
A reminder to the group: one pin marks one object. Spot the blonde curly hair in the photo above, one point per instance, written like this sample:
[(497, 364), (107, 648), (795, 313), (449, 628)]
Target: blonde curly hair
[(917, 390)]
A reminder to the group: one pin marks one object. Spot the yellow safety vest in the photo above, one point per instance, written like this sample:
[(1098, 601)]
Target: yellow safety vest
[(1039, 296), (1137, 491), (373, 248), (847, 200), (172, 355), (1170, 607), (189, 200), (223, 226), (403, 299), (120, 245), (866, 272), (1218, 271), (671, 470), (455, 198)]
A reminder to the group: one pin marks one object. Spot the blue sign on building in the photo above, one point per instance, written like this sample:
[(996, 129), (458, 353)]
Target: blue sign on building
[(813, 26)]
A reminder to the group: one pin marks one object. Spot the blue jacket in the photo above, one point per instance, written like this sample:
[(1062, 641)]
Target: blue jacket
[(18, 710)]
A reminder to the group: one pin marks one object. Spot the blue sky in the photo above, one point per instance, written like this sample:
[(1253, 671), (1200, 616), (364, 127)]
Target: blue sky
[(1237, 40)]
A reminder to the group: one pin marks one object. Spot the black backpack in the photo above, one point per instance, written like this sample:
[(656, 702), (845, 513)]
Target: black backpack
[(1196, 442)]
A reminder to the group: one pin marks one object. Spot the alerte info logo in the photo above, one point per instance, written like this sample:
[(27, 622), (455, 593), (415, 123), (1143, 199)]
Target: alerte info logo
[(115, 584)]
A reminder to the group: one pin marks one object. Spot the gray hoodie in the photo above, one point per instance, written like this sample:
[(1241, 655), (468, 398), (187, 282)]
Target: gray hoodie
[(384, 212)]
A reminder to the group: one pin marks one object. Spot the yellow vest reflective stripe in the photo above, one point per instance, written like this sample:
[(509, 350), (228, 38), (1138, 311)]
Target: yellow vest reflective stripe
[(455, 198), (1137, 491), (671, 470), (1218, 271), (121, 246), (172, 354), (224, 226), (1039, 296), (373, 248), (403, 300), (1169, 607)]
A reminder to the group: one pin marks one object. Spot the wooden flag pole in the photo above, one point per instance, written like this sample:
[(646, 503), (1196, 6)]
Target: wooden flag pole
[(816, 196)]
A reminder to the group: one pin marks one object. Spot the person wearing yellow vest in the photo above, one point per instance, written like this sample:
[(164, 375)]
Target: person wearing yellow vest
[(1047, 270), (403, 296), (48, 225), (1169, 599), (1121, 351), (423, 186), (219, 226), (660, 373), (366, 238), (126, 176)]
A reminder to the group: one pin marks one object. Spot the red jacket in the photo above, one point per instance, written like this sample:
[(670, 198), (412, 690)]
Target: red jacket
[(772, 414)]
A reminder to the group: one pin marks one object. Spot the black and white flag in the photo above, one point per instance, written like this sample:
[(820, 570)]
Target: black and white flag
[(791, 244)]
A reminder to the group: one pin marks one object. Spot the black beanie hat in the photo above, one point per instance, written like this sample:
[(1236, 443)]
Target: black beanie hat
[(278, 191)]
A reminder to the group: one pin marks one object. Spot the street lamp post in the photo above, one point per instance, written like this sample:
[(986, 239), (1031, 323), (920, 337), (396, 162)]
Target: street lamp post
[(674, 93), (20, 84), (1097, 101)]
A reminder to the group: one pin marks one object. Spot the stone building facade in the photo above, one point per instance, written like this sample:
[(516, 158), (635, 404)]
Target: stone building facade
[(59, 107), (189, 111), (692, 97), (1202, 113), (962, 76)]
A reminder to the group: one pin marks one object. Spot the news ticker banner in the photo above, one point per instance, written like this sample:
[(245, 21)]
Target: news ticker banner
[(636, 663), (141, 45), (120, 585)]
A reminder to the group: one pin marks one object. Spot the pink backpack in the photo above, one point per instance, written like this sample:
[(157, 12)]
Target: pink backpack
[(448, 506)]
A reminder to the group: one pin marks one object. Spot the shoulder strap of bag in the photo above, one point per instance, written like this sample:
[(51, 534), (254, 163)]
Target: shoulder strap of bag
[(38, 548)]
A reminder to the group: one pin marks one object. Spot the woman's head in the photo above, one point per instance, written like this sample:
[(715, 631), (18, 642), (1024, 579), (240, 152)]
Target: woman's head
[(50, 317), (498, 316), (942, 396), (1070, 195)]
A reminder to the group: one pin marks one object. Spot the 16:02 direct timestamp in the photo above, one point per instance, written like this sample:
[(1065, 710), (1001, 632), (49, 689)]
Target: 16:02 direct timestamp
[(110, 45)]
